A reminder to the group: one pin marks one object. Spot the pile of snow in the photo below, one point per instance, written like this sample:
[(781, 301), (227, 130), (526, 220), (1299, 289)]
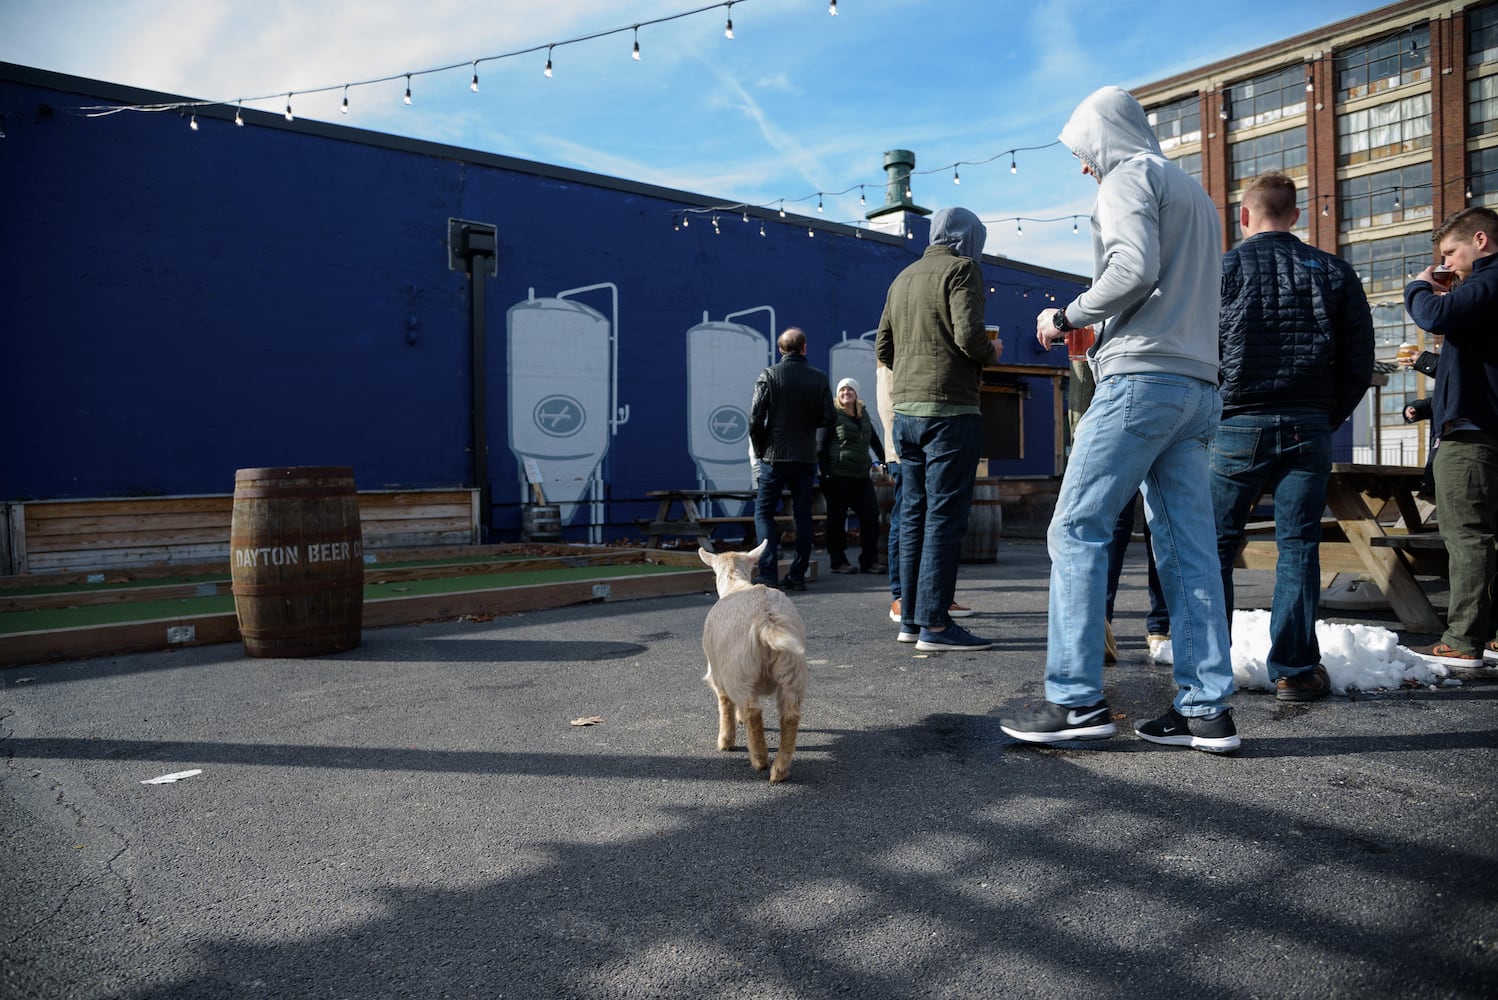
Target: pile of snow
[(1356, 657)]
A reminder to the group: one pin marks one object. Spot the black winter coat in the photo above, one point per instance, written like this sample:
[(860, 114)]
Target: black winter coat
[(1295, 330), (792, 400)]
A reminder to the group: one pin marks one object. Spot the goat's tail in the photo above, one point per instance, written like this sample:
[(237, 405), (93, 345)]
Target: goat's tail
[(779, 633)]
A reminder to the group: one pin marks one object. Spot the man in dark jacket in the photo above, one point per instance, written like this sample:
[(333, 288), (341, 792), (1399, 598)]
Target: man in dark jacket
[(1297, 355), (792, 400), (1464, 416)]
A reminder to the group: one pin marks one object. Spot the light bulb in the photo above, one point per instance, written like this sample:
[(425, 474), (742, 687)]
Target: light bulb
[(782, 208), (474, 86), (1074, 226), (239, 115), (344, 109), (288, 107), (547, 71), (819, 201), (635, 55), (956, 178), (861, 199), (761, 227), (1325, 209), (1019, 230), (728, 28), (685, 222), (193, 122), (408, 88), (809, 233), (1013, 167), (832, 7)]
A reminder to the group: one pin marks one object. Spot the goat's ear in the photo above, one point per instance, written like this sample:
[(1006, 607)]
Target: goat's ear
[(754, 553), (706, 556)]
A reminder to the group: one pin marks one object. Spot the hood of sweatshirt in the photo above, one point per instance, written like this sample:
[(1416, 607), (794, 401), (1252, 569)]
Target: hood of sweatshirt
[(959, 229), (1108, 128)]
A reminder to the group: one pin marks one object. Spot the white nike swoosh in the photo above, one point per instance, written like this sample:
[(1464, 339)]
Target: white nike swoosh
[(1073, 719)]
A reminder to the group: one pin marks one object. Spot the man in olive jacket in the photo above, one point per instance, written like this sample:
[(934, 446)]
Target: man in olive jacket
[(933, 339), (791, 402)]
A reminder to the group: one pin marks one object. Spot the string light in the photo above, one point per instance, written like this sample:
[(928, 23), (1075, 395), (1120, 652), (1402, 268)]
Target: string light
[(193, 122), (344, 109), (819, 201), (547, 72), (1019, 230), (956, 178), (782, 208), (474, 86), (861, 199), (636, 53), (1013, 166), (288, 107), (1074, 225), (832, 7), (728, 30), (408, 88), (239, 115), (761, 227)]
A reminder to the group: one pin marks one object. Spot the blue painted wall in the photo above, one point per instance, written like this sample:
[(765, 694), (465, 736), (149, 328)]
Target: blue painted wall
[(179, 304)]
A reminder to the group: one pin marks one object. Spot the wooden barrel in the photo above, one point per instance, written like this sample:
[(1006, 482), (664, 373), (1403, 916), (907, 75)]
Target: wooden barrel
[(981, 543), (541, 522), (296, 556)]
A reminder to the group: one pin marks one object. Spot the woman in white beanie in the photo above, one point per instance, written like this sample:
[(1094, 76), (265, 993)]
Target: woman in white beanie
[(845, 481)]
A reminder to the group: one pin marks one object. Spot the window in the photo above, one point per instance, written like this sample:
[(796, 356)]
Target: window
[(1482, 106), (1482, 35), (1482, 169), (1177, 123), (1192, 164), (1401, 126), (1384, 64), (1283, 151), (1267, 98), (1387, 265), (1380, 199)]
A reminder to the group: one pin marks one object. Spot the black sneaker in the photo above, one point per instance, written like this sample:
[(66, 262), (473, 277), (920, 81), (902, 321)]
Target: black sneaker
[(792, 584), (1216, 734), (1057, 723), (952, 638), (845, 568)]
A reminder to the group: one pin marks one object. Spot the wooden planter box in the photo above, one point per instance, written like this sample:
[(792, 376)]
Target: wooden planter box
[(72, 536)]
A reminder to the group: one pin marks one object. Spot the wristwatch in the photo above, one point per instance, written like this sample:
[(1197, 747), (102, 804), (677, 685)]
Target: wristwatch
[(1058, 319)]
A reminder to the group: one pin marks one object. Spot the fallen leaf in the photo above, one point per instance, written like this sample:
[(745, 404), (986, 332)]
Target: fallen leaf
[(588, 720)]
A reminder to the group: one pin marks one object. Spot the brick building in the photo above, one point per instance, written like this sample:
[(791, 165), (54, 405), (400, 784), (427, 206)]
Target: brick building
[(1388, 122)]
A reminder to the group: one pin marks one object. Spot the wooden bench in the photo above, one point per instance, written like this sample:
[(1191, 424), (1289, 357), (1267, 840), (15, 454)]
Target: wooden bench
[(82, 535)]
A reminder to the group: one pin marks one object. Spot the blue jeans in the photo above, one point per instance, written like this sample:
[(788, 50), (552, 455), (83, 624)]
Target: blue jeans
[(938, 471), (892, 547), (775, 478), (1149, 430), (1289, 454), (1157, 622)]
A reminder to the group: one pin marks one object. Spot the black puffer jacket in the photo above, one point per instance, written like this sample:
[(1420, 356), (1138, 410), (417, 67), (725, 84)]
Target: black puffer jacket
[(792, 400), (1295, 329)]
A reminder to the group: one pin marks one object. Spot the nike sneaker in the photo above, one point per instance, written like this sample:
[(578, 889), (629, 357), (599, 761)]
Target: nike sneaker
[(1057, 723), (1214, 734)]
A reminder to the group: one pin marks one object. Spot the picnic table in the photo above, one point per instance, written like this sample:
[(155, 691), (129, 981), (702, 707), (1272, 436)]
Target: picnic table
[(1361, 498), (687, 514)]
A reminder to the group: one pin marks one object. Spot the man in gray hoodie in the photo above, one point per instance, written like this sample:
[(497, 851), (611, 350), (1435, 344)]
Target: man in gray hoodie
[(1157, 252)]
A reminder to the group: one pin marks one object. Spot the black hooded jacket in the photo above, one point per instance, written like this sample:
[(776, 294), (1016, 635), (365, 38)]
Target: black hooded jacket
[(1295, 330)]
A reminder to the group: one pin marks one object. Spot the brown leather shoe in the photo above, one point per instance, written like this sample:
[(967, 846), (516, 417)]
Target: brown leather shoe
[(1307, 686)]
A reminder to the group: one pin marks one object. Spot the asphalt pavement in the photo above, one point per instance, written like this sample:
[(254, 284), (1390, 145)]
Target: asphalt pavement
[(419, 817)]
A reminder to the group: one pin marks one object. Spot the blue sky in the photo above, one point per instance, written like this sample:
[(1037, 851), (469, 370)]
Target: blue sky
[(797, 103)]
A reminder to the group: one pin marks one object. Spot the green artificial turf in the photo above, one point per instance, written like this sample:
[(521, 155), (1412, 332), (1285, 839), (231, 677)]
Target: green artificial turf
[(45, 619)]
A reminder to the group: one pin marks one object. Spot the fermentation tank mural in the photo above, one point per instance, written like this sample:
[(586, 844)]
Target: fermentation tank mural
[(723, 360), (563, 389)]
